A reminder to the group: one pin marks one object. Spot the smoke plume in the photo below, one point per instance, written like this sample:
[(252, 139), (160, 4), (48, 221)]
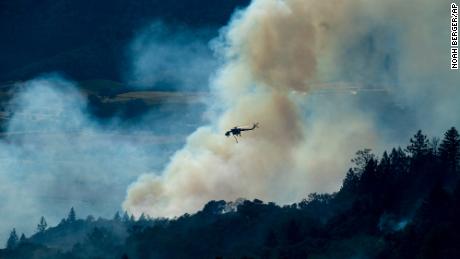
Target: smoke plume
[(277, 56), (272, 50)]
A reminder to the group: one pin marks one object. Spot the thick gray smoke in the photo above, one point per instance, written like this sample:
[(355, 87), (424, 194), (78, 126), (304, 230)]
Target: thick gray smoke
[(280, 57)]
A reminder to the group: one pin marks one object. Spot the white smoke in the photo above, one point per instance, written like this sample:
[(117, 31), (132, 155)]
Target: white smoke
[(55, 155)]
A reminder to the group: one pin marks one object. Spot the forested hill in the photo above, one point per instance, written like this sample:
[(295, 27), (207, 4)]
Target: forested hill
[(403, 204), (87, 39)]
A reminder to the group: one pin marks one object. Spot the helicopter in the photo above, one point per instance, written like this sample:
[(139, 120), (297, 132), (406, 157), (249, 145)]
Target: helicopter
[(236, 131)]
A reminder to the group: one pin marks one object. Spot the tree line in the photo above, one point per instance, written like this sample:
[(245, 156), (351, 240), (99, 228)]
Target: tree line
[(403, 204)]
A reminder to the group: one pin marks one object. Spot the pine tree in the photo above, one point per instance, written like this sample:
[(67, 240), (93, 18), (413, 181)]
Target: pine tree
[(42, 225), (117, 217), (369, 180), (351, 181), (23, 238), (398, 161), (449, 149), (418, 146), (361, 159), (72, 216), (12, 240), (125, 217), (434, 146), (384, 172), (385, 163), (142, 218)]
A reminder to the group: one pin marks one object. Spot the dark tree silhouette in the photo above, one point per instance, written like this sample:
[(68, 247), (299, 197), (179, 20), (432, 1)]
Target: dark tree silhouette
[(434, 146), (12, 240), (449, 149), (361, 159), (125, 217), (418, 146), (398, 160), (369, 177), (351, 181), (142, 218), (42, 225), (117, 216), (214, 207), (385, 163), (23, 238), (72, 216)]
